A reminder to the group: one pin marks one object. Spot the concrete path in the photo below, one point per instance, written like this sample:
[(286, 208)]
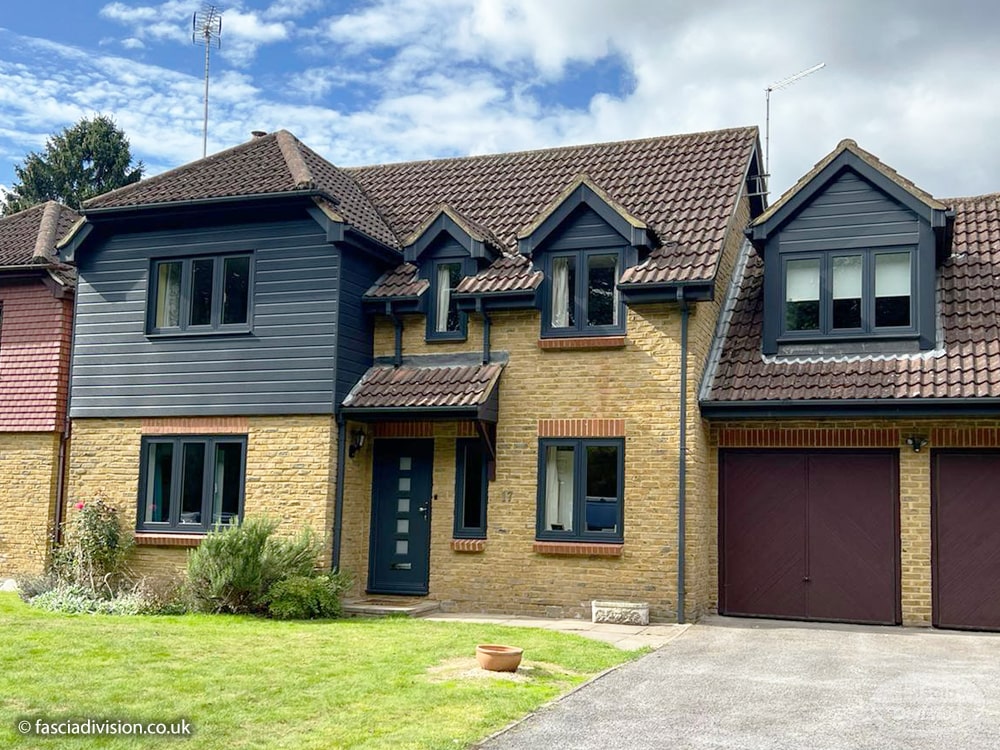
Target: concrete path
[(749, 684), (626, 637)]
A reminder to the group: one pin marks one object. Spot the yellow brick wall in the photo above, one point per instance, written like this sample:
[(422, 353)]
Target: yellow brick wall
[(28, 471), (914, 482), (291, 464)]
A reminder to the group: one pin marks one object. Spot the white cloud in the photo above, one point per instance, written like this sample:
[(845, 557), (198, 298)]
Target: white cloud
[(244, 33), (133, 43), (284, 9), (168, 21)]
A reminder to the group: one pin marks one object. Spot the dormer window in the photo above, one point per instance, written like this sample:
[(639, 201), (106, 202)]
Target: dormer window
[(842, 294), (583, 296), (444, 319)]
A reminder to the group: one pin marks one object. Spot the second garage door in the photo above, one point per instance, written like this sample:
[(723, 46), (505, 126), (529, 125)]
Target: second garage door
[(810, 535)]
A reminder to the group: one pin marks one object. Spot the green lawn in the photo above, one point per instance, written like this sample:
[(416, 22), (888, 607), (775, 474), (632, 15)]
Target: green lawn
[(252, 683)]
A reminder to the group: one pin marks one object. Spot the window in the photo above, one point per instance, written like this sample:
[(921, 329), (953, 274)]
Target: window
[(444, 321), (471, 487), (200, 294), (849, 293), (580, 488), (191, 484), (583, 296)]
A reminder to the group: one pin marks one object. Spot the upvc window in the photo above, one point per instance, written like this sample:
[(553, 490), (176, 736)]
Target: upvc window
[(204, 294), (580, 489), (444, 320), (583, 297), (191, 484), (848, 293), (471, 488)]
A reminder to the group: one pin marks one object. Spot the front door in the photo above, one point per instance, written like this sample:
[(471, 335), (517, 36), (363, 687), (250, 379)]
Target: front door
[(398, 562)]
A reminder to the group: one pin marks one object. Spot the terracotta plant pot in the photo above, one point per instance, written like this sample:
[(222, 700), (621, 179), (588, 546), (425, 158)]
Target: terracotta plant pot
[(498, 658)]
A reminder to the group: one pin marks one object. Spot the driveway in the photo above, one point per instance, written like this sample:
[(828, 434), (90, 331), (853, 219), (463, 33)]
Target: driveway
[(737, 683)]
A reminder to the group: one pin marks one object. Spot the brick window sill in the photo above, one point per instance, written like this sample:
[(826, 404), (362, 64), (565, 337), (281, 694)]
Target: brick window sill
[(582, 342), (148, 539), (587, 549), (468, 545)]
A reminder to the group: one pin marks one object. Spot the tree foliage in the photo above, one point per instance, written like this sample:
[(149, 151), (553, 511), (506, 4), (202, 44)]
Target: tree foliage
[(83, 161)]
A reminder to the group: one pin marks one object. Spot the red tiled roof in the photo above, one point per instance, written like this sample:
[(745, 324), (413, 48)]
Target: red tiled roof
[(277, 163), (30, 236), (414, 386), (968, 365), (684, 187)]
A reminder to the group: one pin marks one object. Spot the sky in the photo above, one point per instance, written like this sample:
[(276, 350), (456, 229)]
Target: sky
[(363, 82)]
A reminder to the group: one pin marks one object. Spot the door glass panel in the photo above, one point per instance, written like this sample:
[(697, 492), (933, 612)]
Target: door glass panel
[(202, 281), (802, 295), (192, 482), (404, 505), (559, 488), (892, 289), (228, 479), (847, 291), (402, 526), (235, 290), (404, 484), (168, 295), (602, 297), (402, 547), (159, 468), (405, 463)]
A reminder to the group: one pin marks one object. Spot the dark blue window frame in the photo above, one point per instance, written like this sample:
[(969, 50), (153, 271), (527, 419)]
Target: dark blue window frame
[(209, 481), (594, 519), (468, 453), (185, 326), (868, 329), (580, 294), (466, 268)]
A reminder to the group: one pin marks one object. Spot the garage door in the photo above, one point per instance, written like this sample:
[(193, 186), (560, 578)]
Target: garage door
[(810, 535), (966, 545)]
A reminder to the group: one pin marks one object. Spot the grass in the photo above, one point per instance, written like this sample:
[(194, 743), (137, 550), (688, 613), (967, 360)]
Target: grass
[(251, 683)]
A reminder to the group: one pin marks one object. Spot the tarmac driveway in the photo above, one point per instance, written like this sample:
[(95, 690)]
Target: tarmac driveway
[(737, 683)]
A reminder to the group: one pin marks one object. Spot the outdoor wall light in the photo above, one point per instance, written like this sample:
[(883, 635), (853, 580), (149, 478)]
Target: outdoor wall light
[(357, 441), (916, 442)]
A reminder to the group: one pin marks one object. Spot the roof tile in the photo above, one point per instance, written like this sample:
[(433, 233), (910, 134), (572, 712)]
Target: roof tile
[(413, 386), (29, 237)]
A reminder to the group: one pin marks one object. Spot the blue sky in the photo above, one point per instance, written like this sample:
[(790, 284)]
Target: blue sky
[(364, 82)]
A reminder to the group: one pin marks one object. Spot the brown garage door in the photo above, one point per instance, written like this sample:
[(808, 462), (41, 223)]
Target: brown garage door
[(966, 543), (810, 535)]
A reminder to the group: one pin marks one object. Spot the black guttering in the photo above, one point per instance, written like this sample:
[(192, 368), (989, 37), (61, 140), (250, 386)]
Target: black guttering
[(882, 407), (338, 506)]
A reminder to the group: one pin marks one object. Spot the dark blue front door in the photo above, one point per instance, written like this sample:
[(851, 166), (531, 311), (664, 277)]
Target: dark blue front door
[(401, 511)]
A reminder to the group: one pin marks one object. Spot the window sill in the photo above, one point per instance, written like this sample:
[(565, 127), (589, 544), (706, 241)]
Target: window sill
[(199, 334), (588, 549), (468, 545), (582, 342), (156, 539)]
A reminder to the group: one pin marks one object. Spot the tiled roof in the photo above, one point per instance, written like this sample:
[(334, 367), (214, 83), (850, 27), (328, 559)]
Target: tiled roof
[(683, 187), (272, 164), (415, 386), (402, 281), (30, 236), (474, 229), (966, 366)]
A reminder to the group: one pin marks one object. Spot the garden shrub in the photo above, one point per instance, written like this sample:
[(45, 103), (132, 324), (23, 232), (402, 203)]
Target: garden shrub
[(94, 549), (233, 569), (73, 599), (307, 597)]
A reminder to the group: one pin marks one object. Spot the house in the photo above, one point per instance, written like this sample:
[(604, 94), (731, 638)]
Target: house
[(854, 398), (36, 304), (476, 379)]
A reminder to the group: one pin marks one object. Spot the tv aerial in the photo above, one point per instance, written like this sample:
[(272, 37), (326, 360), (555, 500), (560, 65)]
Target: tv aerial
[(206, 29)]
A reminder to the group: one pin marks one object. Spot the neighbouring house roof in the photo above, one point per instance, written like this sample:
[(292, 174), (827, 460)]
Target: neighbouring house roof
[(274, 164), (29, 238), (425, 389), (964, 366), (683, 188)]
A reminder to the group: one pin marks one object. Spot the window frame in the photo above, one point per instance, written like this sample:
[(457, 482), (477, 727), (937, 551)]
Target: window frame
[(580, 294), (216, 325), (579, 532), (461, 467), (173, 525), (868, 329), (466, 268)]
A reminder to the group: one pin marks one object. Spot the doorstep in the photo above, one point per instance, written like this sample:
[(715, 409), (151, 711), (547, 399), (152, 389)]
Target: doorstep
[(384, 606)]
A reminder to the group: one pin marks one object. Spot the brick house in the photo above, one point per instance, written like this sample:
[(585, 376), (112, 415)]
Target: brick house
[(36, 305), (854, 396), (475, 378)]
